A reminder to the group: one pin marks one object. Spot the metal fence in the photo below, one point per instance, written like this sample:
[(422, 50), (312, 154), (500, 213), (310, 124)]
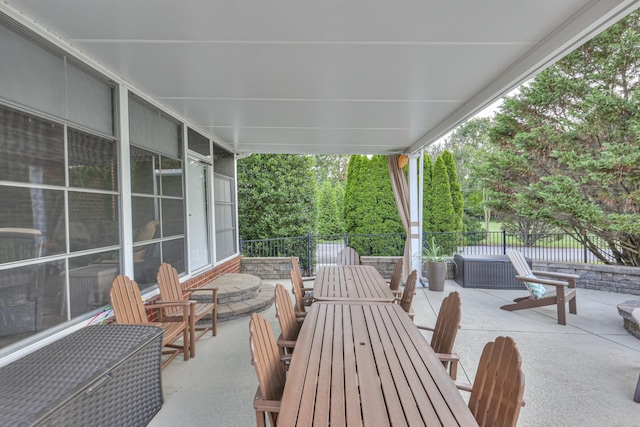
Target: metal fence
[(315, 249)]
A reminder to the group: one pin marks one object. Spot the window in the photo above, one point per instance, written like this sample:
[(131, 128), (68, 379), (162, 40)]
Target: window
[(225, 204), (157, 192), (59, 238)]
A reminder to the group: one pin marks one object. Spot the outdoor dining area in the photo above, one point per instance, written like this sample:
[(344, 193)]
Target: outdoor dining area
[(360, 359)]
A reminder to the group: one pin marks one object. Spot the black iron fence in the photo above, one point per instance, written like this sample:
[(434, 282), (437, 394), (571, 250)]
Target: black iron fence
[(315, 249)]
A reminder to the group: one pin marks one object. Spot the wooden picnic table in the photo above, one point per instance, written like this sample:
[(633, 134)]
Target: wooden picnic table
[(351, 282), (367, 364)]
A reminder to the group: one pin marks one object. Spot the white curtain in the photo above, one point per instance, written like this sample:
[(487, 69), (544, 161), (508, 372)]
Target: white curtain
[(401, 194)]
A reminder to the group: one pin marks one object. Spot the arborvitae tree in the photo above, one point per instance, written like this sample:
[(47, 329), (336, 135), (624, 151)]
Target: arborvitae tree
[(443, 219), (426, 193), (454, 185), (276, 196), (369, 206), (329, 217), (351, 193)]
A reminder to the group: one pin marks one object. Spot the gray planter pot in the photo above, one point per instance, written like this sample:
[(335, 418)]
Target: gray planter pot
[(436, 275)]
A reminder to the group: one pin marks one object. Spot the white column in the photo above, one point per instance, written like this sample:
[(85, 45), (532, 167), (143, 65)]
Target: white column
[(414, 207), (126, 222)]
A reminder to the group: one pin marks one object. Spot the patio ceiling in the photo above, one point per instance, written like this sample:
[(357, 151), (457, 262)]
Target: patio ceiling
[(333, 76)]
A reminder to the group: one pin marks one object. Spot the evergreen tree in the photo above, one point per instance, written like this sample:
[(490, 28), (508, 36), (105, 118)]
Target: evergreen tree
[(329, 217), (443, 219), (276, 196), (566, 148), (426, 193), (454, 185), (369, 206)]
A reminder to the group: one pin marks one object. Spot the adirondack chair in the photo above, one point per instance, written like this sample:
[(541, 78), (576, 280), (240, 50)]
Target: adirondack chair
[(348, 256), (396, 277), (408, 293), (301, 299), (445, 331), (296, 268), (270, 370), (497, 392), (170, 291), (565, 288), (130, 310), (636, 396), (289, 323)]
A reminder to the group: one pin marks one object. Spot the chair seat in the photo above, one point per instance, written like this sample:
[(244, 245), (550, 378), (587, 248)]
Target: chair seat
[(172, 330), (201, 310)]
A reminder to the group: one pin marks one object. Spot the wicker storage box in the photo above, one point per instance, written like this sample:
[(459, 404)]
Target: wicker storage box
[(98, 376), (486, 271)]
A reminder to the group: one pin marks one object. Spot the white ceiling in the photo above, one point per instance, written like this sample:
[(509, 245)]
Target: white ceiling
[(331, 76)]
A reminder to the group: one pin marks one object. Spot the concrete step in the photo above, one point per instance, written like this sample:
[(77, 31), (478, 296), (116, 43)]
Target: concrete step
[(262, 301)]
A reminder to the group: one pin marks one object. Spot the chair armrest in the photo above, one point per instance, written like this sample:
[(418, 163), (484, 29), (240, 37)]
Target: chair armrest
[(265, 405), (426, 328), (214, 292), (463, 386), (542, 281), (286, 358), (554, 274), (307, 290), (396, 292), (444, 357), (163, 304), (286, 344), (301, 315)]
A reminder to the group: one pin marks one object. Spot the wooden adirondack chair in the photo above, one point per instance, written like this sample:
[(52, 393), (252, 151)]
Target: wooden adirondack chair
[(296, 268), (497, 392), (408, 293), (565, 288), (130, 310), (298, 291), (171, 291), (445, 331), (636, 396), (270, 370), (289, 323), (396, 277), (348, 256)]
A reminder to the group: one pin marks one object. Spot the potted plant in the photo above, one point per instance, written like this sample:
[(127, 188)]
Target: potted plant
[(436, 265)]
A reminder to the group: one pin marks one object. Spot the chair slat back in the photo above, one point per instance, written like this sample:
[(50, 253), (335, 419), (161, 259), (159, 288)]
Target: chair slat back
[(296, 282), (170, 289), (266, 358), (296, 267), (126, 301), (409, 291), (497, 392), (289, 326), (348, 256), (519, 262), (396, 276), (447, 324)]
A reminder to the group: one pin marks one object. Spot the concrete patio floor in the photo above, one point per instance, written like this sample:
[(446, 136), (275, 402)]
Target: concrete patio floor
[(582, 374)]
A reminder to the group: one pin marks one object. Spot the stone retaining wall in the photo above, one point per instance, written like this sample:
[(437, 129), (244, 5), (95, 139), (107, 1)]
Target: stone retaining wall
[(267, 267), (610, 278)]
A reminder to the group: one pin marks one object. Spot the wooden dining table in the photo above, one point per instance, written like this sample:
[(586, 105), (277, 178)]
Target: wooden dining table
[(351, 282), (367, 364)]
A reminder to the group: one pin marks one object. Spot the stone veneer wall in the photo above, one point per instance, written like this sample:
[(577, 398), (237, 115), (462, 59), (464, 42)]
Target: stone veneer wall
[(267, 267), (611, 278)]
